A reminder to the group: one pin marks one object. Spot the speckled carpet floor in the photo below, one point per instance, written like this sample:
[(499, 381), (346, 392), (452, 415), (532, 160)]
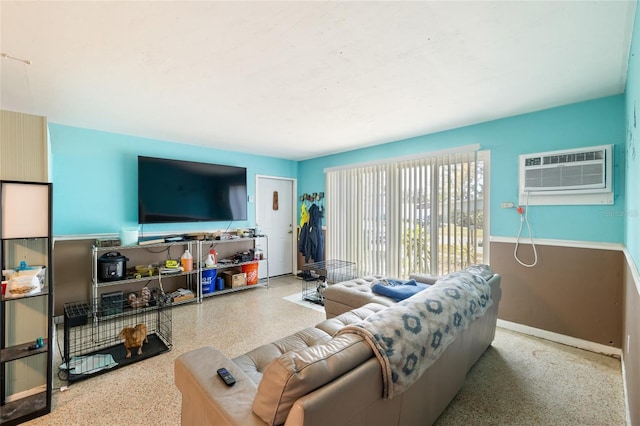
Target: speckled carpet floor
[(524, 380), (520, 380)]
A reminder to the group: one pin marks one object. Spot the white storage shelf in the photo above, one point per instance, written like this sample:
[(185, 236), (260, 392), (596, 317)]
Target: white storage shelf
[(226, 248), (146, 251)]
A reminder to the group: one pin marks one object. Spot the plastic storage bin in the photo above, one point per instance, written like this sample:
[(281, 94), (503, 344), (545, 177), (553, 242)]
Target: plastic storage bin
[(251, 269), (208, 280)]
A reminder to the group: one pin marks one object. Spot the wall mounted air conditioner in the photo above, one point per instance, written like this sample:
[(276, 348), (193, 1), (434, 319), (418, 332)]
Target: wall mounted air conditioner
[(566, 173)]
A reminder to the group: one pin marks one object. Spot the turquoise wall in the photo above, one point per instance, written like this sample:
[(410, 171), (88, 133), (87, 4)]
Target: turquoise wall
[(95, 173), (596, 122), (95, 179), (632, 169)]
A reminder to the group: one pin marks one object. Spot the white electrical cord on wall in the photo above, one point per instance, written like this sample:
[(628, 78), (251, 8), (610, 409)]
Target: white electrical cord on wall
[(524, 218)]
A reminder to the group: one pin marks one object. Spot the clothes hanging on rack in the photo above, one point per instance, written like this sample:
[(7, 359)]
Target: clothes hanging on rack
[(304, 215), (311, 243)]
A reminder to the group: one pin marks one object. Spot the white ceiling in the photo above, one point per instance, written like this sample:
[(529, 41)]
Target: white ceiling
[(298, 80)]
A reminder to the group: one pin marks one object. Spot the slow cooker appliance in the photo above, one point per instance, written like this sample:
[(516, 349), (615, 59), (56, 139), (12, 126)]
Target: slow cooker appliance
[(112, 266)]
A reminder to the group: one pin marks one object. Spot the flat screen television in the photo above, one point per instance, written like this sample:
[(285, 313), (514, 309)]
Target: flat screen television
[(172, 191)]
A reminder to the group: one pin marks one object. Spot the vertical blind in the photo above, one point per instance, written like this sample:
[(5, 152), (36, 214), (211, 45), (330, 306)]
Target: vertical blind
[(421, 215)]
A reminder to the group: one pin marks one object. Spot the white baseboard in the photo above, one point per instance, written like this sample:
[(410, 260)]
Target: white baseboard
[(626, 393), (561, 243), (561, 338)]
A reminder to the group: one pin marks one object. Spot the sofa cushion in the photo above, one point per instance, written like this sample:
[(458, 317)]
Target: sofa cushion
[(354, 294), (255, 362), (332, 325), (296, 373)]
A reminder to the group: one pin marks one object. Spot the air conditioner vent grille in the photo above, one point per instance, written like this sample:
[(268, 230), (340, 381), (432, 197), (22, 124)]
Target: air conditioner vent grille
[(573, 158), (569, 176), (565, 177), (568, 170)]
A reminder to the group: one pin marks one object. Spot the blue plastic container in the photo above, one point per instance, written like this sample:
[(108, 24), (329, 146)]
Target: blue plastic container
[(209, 280), (220, 283)]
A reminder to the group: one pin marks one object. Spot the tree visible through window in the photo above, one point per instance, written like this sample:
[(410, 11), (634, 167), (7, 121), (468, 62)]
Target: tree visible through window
[(419, 215)]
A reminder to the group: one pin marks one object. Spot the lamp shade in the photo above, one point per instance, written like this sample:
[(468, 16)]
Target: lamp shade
[(24, 209)]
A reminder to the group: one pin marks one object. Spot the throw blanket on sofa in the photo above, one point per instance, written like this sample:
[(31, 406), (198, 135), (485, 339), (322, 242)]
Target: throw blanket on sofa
[(410, 335)]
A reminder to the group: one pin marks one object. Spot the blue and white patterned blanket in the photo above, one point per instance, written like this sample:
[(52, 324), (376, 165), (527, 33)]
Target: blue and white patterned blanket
[(410, 335)]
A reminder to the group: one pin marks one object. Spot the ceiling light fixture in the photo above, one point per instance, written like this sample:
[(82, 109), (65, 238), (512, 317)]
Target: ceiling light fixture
[(5, 55)]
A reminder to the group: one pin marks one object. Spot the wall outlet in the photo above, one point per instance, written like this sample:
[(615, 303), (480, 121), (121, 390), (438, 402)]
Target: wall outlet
[(507, 205)]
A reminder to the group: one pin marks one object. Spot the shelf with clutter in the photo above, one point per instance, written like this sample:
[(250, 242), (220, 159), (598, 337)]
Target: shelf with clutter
[(128, 317), (240, 263), (212, 258)]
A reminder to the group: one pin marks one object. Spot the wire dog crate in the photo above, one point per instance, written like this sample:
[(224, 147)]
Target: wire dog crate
[(109, 334), (316, 276)]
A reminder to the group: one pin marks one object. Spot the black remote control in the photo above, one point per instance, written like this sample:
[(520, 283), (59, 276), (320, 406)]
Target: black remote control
[(226, 377)]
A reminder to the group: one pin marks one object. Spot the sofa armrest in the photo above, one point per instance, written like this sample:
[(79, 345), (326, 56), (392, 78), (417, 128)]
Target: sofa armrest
[(346, 400), (424, 278), (205, 397)]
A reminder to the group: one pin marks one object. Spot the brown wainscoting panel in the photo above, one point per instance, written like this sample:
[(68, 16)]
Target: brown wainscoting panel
[(575, 292), (71, 272), (631, 344)]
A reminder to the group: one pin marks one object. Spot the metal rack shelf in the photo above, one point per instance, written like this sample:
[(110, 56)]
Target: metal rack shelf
[(97, 284), (236, 289), (145, 278), (194, 277)]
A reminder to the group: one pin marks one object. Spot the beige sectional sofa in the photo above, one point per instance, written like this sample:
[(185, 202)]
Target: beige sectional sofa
[(332, 375)]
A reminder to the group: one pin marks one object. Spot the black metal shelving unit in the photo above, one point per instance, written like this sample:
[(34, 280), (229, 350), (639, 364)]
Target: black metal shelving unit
[(16, 345)]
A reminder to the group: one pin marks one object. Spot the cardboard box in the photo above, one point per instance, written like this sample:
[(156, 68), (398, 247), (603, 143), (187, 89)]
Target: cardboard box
[(183, 298), (234, 279), (181, 295)]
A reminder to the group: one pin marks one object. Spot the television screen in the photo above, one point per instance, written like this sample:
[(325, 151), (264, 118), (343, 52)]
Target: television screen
[(171, 191)]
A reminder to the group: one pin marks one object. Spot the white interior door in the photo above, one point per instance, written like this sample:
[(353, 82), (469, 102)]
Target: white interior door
[(274, 216)]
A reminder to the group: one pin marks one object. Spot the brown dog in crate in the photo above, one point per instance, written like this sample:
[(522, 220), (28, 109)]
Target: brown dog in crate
[(134, 338)]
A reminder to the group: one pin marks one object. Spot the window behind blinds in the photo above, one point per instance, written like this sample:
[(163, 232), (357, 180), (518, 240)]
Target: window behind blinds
[(415, 215)]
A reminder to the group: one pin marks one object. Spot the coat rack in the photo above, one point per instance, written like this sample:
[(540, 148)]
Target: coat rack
[(316, 196), (307, 200)]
